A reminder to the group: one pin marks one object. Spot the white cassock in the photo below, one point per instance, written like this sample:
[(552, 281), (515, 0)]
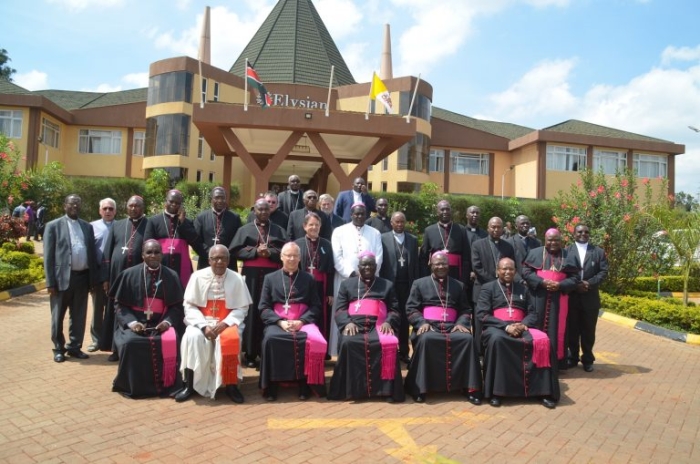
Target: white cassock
[(348, 242), (199, 354)]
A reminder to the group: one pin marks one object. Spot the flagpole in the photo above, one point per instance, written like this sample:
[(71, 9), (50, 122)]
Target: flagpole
[(330, 86), (369, 97), (201, 81), (245, 88), (413, 99)]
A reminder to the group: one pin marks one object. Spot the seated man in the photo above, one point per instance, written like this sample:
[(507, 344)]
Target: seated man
[(366, 312), (516, 355), (216, 304), (148, 307), (444, 356), (293, 348)]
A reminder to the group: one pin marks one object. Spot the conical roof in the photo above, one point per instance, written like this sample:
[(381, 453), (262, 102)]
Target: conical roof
[(293, 46)]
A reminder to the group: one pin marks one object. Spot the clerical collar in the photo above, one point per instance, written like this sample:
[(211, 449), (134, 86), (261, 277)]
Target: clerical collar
[(218, 213), (168, 214), (367, 282), (495, 240), (472, 229), (138, 218), (260, 224), (290, 273), (445, 224), (401, 235), (152, 269), (71, 220), (437, 278), (312, 239), (504, 283)]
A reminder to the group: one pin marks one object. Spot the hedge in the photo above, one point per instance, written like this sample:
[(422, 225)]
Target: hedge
[(665, 312), (668, 284)]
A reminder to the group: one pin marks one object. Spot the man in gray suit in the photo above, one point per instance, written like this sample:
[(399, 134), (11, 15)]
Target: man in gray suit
[(71, 270)]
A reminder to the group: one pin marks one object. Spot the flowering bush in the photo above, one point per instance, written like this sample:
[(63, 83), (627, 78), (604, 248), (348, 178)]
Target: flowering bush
[(13, 181), (11, 229)]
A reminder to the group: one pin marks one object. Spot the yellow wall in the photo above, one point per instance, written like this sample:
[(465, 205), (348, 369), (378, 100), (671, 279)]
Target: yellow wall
[(525, 161), (560, 180)]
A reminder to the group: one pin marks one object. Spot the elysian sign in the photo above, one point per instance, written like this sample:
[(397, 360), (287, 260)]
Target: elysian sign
[(283, 99)]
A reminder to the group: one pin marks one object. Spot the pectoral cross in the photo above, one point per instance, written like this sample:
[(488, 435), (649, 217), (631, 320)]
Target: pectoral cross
[(286, 307), (312, 268), (358, 305), (510, 312), (148, 313), (214, 310), (216, 240), (444, 316), (402, 261), (125, 249), (171, 248)]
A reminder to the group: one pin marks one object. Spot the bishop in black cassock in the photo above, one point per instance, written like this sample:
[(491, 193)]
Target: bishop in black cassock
[(216, 226), (449, 237)]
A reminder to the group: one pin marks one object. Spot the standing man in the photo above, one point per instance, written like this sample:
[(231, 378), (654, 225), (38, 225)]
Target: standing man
[(123, 249), (148, 301), (216, 304), (326, 204), (450, 238), (258, 245), (444, 355), (381, 221), (522, 242), (276, 215), (551, 275), (293, 348), (348, 198), (216, 227), (584, 302), (474, 232), (40, 221), (295, 227), (401, 266), (292, 198), (70, 267), (175, 233), (101, 229)]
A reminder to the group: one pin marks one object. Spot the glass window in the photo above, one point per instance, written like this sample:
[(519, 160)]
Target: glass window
[(211, 176), (609, 161), (139, 143), (204, 90), (469, 163), (212, 156), (422, 107), (562, 158), (11, 123), (101, 142), (385, 164), (168, 134), (646, 165), (50, 133), (384, 186), (216, 91), (437, 161), (200, 147), (170, 87), (414, 154), (199, 175)]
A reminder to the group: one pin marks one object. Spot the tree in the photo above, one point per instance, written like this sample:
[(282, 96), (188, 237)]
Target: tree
[(157, 186), (6, 71), (686, 202)]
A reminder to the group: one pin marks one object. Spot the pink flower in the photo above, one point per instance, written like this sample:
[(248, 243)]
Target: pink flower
[(578, 182), (592, 193), (3, 155), (617, 195), (555, 219), (563, 206), (624, 182), (601, 189), (570, 228), (645, 181), (24, 186), (575, 220), (626, 217)]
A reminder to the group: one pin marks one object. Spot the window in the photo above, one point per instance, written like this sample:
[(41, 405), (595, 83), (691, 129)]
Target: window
[(100, 142), (369, 186), (50, 133), (199, 175), (422, 106), (384, 186), (437, 161), (414, 154), (216, 91), (168, 134), (212, 156), (609, 161), (11, 123), (467, 163), (200, 148), (204, 90), (211, 176), (560, 158), (170, 87), (650, 165), (385, 164), (139, 143)]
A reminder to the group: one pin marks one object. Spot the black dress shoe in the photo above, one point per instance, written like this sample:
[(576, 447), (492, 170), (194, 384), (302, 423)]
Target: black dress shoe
[(234, 393), (304, 391), (114, 357), (419, 398), (184, 394), (549, 403), (495, 402), (474, 399), (588, 367), (405, 359), (77, 354), (59, 357)]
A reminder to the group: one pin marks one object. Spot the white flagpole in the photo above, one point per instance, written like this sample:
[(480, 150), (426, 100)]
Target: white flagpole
[(201, 80), (413, 99), (245, 84), (330, 86), (369, 97)]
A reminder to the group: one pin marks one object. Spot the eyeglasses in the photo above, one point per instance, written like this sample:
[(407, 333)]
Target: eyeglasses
[(290, 256), (311, 197)]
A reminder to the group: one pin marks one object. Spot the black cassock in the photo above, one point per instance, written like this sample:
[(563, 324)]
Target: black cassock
[(142, 371), (284, 356), (171, 233), (442, 360), (215, 229), (452, 238), (122, 250), (276, 217), (508, 362), (295, 226), (244, 248), (383, 225), (361, 371), (320, 253)]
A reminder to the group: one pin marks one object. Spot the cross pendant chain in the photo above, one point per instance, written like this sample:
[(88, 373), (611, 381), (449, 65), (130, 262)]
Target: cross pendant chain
[(286, 307), (510, 312), (125, 249), (312, 268), (358, 305), (148, 314), (171, 248), (216, 240), (402, 261)]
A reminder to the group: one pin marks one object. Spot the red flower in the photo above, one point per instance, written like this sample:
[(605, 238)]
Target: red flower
[(645, 181), (555, 219), (601, 189), (575, 220), (592, 193), (624, 182), (627, 217), (617, 195)]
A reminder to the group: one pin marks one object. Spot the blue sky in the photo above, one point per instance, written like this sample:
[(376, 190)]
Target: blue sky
[(629, 64)]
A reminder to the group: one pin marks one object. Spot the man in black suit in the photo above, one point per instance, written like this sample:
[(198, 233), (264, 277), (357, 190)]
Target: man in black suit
[(522, 242), (292, 198), (325, 204), (400, 265), (217, 226), (295, 226), (70, 266), (584, 302), (381, 222)]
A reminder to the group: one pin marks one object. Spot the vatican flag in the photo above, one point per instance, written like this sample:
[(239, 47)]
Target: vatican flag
[(379, 92)]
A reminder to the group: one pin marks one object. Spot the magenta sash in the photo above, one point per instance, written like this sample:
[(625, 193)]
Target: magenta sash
[(540, 340), (322, 278), (389, 343), (316, 345), (502, 314), (438, 313), (168, 344), (261, 262), (453, 259), (157, 306), (558, 276), (179, 247)]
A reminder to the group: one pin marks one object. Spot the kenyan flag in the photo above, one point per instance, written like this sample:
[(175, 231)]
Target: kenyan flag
[(254, 81)]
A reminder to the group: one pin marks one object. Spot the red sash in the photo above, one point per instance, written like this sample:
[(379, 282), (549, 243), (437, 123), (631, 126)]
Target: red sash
[(440, 314), (389, 343), (228, 340), (316, 345), (558, 276)]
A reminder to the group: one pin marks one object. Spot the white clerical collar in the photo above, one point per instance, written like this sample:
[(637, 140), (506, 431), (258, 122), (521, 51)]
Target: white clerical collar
[(168, 214), (583, 246)]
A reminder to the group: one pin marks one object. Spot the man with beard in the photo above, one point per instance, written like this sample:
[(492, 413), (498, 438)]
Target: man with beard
[(293, 348), (550, 275), (176, 234), (123, 249), (326, 204), (367, 315), (148, 303), (101, 229), (216, 227), (276, 215), (292, 198), (516, 353), (295, 227), (381, 221), (522, 241), (216, 304), (348, 198), (450, 238), (444, 355), (258, 245), (400, 266)]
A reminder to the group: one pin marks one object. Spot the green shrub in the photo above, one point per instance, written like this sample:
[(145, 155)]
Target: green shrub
[(668, 284), (665, 312), (18, 259), (27, 247), (9, 246), (15, 279)]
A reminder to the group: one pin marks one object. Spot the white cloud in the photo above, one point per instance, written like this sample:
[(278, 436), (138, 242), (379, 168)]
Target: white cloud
[(77, 5), (671, 54), (341, 17), (546, 3), (355, 55), (32, 80), (103, 88), (136, 80)]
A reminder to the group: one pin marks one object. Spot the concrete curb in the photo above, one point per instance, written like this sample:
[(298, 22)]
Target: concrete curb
[(25, 290), (690, 339)]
